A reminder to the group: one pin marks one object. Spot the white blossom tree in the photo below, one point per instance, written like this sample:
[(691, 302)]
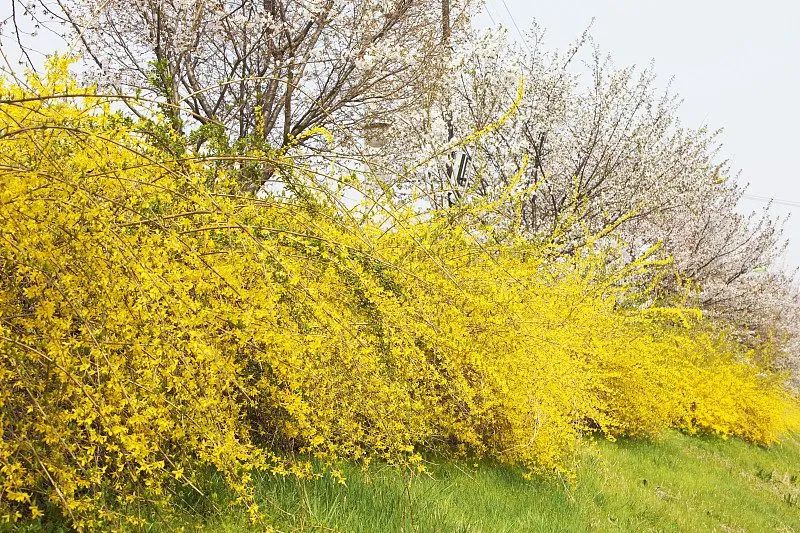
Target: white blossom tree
[(271, 69), (601, 153)]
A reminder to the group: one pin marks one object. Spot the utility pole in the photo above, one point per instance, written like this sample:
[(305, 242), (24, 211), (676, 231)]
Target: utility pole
[(448, 116), (446, 23)]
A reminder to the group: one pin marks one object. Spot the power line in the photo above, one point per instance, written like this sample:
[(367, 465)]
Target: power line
[(514, 22), (486, 8), (771, 200)]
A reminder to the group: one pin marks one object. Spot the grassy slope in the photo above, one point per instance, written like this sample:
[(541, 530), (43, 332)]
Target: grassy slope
[(678, 484)]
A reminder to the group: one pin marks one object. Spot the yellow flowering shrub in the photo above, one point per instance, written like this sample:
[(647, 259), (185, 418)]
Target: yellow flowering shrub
[(155, 322)]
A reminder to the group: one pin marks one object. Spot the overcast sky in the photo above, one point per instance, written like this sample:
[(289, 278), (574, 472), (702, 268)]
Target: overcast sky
[(736, 64)]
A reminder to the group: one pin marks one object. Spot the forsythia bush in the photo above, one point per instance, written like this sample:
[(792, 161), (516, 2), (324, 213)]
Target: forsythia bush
[(156, 322)]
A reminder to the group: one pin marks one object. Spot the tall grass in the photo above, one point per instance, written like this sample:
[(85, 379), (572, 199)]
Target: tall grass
[(676, 483)]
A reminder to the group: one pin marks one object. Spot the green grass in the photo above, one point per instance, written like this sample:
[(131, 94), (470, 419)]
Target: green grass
[(676, 484)]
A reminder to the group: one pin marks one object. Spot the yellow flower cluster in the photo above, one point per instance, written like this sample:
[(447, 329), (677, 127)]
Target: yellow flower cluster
[(156, 322)]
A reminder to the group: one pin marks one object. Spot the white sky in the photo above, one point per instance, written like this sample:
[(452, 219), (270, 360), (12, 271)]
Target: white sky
[(736, 64)]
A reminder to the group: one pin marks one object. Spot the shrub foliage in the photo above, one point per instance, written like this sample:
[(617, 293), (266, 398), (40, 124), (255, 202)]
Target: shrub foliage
[(156, 321)]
